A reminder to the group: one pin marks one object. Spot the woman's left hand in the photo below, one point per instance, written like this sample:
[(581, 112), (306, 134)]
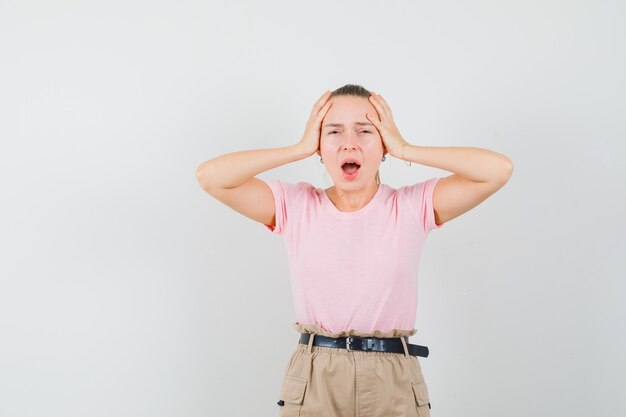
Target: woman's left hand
[(387, 128)]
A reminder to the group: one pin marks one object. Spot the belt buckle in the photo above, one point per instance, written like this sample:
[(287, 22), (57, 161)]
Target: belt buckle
[(348, 340), (369, 346)]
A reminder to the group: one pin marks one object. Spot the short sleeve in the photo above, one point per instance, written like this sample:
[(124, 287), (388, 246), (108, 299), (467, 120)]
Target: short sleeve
[(420, 199), (278, 190), (289, 200)]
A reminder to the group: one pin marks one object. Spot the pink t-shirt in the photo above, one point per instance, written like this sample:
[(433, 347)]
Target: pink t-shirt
[(354, 270)]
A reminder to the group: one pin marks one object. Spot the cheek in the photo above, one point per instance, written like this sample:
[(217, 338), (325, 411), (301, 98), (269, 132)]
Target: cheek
[(329, 140), (375, 141), (327, 145)]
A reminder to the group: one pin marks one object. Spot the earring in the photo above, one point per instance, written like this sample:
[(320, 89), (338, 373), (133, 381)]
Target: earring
[(384, 157), (321, 160)]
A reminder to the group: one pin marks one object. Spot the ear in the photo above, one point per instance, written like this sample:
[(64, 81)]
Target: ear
[(382, 142)]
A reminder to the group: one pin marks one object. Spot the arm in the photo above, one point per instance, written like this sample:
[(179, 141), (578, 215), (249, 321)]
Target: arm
[(231, 178), (233, 169), (477, 172)]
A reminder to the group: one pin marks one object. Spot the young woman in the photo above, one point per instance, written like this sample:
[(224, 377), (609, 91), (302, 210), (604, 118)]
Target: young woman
[(354, 250)]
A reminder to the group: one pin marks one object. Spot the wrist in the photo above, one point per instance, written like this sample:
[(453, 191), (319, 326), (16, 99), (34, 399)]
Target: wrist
[(400, 150), (402, 153), (302, 151)]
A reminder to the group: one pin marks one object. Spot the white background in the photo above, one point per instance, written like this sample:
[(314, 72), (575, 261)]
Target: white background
[(126, 290)]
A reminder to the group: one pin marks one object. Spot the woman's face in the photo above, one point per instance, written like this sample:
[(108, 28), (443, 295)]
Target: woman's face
[(346, 133)]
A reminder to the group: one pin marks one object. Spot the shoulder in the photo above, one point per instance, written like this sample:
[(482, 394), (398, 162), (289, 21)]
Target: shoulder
[(292, 190), (418, 195), (418, 187)]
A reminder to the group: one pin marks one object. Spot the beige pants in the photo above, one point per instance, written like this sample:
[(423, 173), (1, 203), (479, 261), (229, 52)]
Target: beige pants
[(330, 382)]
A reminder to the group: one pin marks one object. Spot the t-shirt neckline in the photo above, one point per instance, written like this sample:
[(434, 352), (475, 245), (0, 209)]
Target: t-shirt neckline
[(356, 213)]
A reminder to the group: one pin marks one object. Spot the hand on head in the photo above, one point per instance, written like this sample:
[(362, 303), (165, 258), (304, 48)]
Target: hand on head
[(311, 138)]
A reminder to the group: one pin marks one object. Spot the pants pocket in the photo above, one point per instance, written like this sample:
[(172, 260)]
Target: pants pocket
[(292, 395), (422, 401)]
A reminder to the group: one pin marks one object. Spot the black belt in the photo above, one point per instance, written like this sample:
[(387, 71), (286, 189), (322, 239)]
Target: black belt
[(373, 344)]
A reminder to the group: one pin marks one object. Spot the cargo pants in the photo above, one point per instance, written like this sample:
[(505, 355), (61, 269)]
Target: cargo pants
[(331, 382)]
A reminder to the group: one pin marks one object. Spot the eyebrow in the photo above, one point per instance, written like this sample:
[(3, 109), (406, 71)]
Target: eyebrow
[(341, 124)]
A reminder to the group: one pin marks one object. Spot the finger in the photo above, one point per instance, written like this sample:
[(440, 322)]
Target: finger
[(384, 102), (320, 103), (374, 121), (322, 113), (382, 113), (384, 105)]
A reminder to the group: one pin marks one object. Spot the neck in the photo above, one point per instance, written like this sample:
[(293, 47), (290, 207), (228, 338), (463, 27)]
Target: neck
[(352, 200)]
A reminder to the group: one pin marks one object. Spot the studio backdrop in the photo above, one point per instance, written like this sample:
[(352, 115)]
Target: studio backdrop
[(127, 291)]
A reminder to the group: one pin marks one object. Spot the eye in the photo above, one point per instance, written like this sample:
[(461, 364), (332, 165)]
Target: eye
[(365, 131), (331, 132)]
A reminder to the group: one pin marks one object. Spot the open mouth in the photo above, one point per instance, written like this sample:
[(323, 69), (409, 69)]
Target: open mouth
[(350, 167)]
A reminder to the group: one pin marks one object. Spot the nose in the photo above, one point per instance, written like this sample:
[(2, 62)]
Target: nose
[(350, 141)]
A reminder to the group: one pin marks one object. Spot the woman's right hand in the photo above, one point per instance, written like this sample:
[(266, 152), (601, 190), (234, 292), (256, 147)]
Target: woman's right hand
[(310, 141)]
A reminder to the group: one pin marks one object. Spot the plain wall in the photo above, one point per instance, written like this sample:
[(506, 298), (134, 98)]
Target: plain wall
[(126, 290)]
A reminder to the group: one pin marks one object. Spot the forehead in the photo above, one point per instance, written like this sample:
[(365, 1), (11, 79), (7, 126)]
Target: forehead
[(349, 109)]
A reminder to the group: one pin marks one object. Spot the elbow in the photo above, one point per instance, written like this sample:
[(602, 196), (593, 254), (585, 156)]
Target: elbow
[(202, 175), (506, 170), (199, 173)]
